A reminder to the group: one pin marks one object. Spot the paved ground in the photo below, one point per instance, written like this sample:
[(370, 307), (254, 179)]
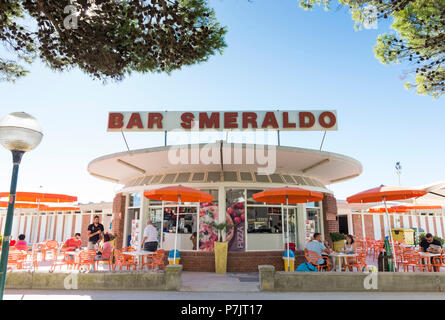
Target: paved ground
[(232, 296)]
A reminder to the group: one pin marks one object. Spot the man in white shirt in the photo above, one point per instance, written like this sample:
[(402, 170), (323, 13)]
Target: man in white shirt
[(317, 245), (150, 240)]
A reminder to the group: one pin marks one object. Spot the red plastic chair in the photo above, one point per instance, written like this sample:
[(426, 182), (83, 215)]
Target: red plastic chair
[(312, 257), (49, 246), (123, 261), (86, 258)]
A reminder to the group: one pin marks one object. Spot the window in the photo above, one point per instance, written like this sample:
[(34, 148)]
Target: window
[(156, 179), (246, 176), (169, 178), (264, 220), (230, 176), (250, 199), (135, 200), (288, 178), (276, 178), (183, 177), (214, 176), (261, 178), (198, 176)]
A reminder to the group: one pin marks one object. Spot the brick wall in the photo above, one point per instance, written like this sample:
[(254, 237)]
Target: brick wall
[(83, 232), (236, 261), (118, 222), (330, 222), (369, 227), (357, 225)]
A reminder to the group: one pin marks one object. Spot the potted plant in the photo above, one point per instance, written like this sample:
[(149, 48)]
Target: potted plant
[(338, 240), (220, 247)]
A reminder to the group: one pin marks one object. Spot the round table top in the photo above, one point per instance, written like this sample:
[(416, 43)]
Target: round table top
[(343, 254), (137, 253), (429, 254)]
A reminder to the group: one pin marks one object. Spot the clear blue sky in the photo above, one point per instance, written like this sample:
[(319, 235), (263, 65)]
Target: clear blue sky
[(278, 56)]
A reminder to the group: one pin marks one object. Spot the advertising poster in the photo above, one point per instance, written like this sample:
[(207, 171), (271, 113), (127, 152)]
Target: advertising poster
[(208, 213), (236, 216)]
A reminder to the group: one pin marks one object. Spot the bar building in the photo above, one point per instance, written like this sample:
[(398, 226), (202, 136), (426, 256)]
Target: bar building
[(258, 236)]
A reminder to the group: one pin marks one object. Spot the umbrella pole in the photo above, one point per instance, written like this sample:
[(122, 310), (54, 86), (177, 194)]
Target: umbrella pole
[(177, 226), (287, 229), (282, 225), (390, 235)]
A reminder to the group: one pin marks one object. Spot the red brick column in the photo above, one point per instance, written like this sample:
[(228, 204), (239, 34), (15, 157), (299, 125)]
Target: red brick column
[(357, 225), (84, 229), (117, 228), (382, 226), (330, 222), (369, 226)]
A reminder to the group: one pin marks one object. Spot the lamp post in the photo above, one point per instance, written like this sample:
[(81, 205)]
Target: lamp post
[(398, 170), (19, 133)]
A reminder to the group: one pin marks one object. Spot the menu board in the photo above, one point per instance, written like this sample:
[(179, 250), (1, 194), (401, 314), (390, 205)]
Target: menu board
[(310, 229), (135, 231)]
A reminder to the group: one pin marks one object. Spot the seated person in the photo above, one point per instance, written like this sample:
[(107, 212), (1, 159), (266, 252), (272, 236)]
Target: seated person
[(72, 243), (429, 244), (104, 252), (21, 244), (317, 245), (350, 247), (12, 243), (426, 243)]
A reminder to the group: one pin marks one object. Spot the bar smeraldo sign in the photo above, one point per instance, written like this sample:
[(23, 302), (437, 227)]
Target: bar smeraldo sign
[(307, 120)]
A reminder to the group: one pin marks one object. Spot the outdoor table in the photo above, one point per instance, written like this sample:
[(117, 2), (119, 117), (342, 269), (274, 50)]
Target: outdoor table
[(426, 257), (138, 255), (340, 255)]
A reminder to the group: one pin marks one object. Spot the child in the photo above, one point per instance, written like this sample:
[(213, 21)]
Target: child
[(21, 244)]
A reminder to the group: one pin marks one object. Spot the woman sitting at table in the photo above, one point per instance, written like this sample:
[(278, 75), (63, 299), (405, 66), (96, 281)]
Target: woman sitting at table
[(21, 244), (104, 252), (350, 248)]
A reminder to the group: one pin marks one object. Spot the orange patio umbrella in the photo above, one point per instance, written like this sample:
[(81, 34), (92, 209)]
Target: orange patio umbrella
[(47, 208), (40, 197), (178, 194), (287, 195), (390, 210), (22, 205), (386, 193)]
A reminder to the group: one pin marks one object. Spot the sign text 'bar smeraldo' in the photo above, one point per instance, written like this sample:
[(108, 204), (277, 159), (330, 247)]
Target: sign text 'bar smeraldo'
[(311, 120)]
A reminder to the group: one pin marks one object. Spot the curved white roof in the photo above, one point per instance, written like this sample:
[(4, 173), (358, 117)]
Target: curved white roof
[(324, 166)]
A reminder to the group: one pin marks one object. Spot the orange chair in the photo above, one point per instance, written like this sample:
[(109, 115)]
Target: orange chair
[(62, 259), (439, 262), (15, 258), (108, 262), (49, 246), (86, 258), (149, 260), (123, 261), (358, 262), (161, 262), (413, 259), (31, 261), (312, 257)]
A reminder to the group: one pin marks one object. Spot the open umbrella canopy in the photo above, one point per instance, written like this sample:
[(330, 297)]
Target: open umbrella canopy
[(40, 197), (21, 205), (47, 208), (390, 210), (385, 193), (292, 194), (178, 193), (417, 207)]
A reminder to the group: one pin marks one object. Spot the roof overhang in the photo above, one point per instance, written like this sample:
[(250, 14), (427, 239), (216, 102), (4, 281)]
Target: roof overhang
[(325, 166)]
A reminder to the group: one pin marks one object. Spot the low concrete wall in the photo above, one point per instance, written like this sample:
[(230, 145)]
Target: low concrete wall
[(271, 280), (168, 280)]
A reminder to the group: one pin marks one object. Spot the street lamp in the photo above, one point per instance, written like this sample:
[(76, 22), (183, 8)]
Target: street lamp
[(398, 170), (19, 132)]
